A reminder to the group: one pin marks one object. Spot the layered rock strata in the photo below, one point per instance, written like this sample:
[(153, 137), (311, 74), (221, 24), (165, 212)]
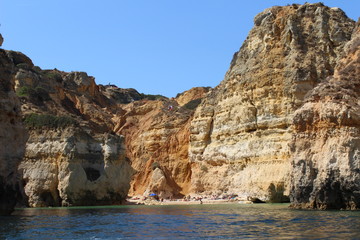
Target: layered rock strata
[(325, 146), (12, 136), (157, 139), (76, 154), (240, 133), (251, 136), (72, 155), (71, 167), (193, 95)]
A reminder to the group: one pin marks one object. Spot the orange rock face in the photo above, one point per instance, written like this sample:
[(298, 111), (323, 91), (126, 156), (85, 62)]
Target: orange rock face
[(284, 119), (108, 133), (157, 139)]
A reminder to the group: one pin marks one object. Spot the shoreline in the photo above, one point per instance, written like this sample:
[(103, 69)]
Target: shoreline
[(183, 202)]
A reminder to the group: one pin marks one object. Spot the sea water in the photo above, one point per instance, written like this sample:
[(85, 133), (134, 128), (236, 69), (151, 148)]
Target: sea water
[(222, 221)]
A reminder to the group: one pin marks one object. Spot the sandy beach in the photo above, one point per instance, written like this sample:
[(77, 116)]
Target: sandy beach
[(184, 202)]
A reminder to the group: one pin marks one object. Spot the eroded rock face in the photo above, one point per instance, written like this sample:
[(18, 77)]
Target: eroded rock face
[(120, 95), (326, 144), (241, 131), (72, 156), (157, 141), (70, 119), (70, 167), (194, 94), (245, 137), (12, 136)]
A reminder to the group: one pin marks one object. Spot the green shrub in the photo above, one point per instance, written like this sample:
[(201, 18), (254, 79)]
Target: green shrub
[(23, 91), (152, 97), (37, 69), (193, 104), (155, 165), (204, 168), (34, 120), (38, 93), (41, 94), (53, 75), (23, 66)]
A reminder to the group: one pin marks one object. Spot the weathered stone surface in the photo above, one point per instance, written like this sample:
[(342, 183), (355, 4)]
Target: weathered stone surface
[(326, 143), (72, 156), (19, 58), (157, 142), (70, 167), (1, 40), (196, 93), (12, 136), (236, 142), (120, 95), (241, 131)]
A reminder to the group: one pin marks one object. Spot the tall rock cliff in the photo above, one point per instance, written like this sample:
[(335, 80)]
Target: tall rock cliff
[(12, 136), (72, 156), (325, 146), (157, 140), (283, 114), (88, 144), (240, 133)]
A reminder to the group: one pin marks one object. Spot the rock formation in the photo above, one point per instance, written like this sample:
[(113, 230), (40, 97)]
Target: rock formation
[(193, 95), (12, 137), (325, 146), (282, 115), (241, 131), (72, 155), (75, 154), (157, 140)]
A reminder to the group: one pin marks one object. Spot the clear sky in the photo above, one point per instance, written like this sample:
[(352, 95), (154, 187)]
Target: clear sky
[(155, 46)]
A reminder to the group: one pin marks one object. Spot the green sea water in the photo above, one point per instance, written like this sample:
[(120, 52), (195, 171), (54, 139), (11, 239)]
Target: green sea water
[(223, 221)]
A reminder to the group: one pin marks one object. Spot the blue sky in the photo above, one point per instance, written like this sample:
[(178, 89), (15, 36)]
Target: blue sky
[(157, 47)]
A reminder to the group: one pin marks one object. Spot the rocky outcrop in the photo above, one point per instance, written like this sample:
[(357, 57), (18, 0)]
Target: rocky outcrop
[(277, 118), (121, 95), (71, 167), (12, 136), (326, 144), (157, 143), (72, 155), (241, 131), (193, 95), (157, 140), (74, 123)]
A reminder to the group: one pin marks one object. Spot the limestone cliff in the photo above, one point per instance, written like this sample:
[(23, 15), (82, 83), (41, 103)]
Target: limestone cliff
[(325, 146), (157, 140), (76, 154), (240, 133), (193, 95), (251, 136), (12, 136), (72, 167), (72, 155)]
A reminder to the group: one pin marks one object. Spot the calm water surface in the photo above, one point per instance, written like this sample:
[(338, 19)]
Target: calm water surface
[(226, 221)]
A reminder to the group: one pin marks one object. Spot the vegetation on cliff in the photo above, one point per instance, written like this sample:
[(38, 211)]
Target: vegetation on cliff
[(284, 120), (34, 120)]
